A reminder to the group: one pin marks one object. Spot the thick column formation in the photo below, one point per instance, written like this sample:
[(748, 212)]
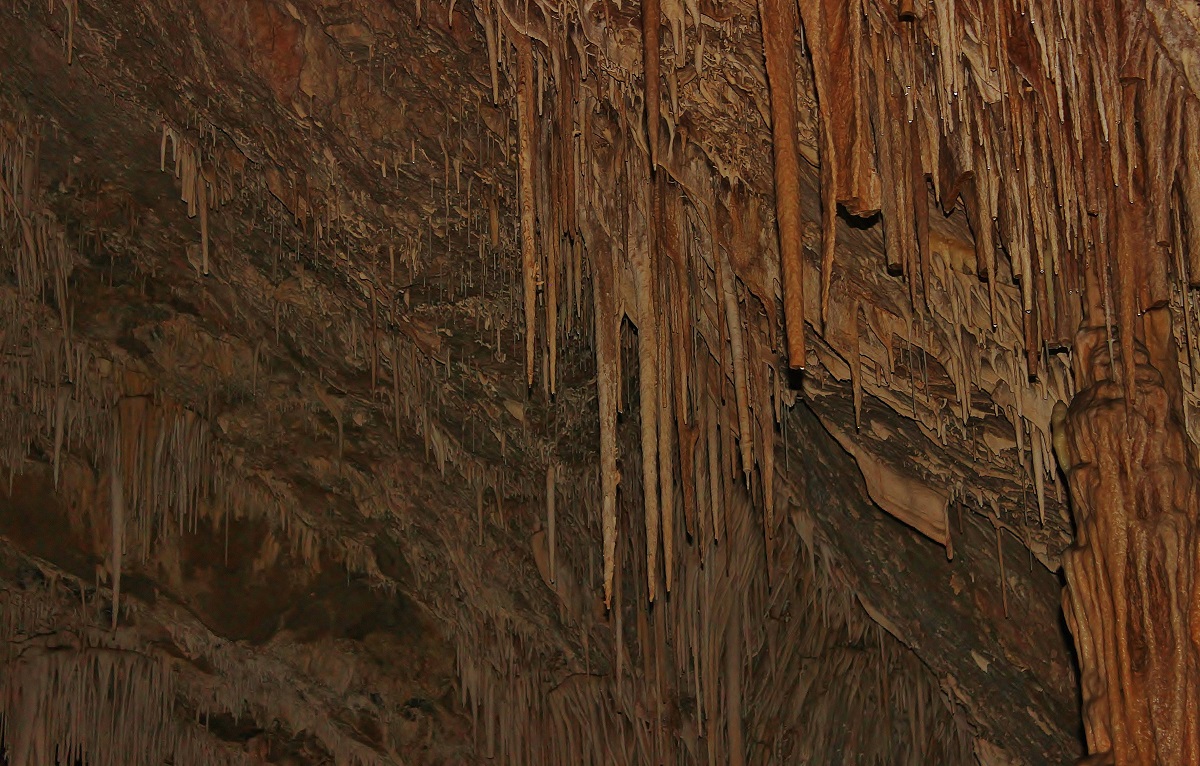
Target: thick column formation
[(1131, 600)]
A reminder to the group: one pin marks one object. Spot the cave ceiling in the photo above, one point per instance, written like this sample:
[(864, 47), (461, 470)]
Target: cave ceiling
[(422, 383)]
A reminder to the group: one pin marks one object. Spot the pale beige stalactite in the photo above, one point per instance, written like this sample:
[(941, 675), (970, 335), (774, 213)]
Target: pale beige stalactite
[(117, 501), (767, 451), (551, 521), (553, 260), (202, 201), (162, 149), (919, 198), (715, 498), (490, 33), (607, 383), (61, 398), (493, 221), (1039, 471), (667, 427), (737, 348), (526, 136), (704, 500), (647, 329), (667, 438), (395, 387), (855, 362), (1003, 578), (733, 685), (677, 358)]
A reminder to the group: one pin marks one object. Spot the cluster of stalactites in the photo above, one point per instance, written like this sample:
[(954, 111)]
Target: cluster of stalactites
[(698, 409), (1064, 130), (204, 183), (706, 676), (72, 690), (162, 469), (1061, 127), (658, 258), (97, 704), (39, 259)]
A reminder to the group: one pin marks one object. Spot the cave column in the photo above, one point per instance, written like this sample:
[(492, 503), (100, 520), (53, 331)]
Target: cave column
[(1131, 600)]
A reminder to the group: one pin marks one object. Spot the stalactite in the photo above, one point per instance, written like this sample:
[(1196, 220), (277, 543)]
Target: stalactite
[(1039, 478), (607, 348), (395, 388), (733, 686), (647, 319), (767, 449), (61, 398), (117, 499), (715, 496), (553, 255), (679, 339), (778, 19), (667, 438), (856, 366), (1000, 564), (1189, 177), (738, 352), (202, 202), (828, 215), (552, 539), (526, 129), (651, 22)]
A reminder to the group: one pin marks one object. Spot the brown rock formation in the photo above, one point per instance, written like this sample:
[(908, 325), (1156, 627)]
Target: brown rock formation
[(1132, 598), (416, 382)]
